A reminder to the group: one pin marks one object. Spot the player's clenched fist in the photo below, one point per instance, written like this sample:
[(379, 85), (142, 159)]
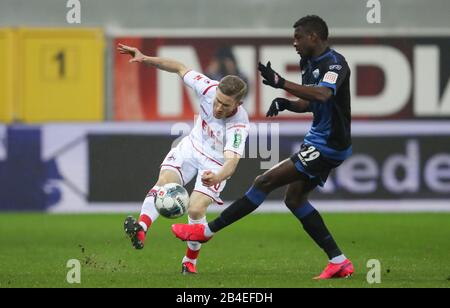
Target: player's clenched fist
[(132, 51), (210, 179)]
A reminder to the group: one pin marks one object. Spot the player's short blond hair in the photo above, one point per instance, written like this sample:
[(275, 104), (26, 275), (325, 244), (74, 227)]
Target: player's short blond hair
[(233, 86)]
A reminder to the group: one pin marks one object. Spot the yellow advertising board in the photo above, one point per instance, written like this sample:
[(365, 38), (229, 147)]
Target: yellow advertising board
[(6, 75), (61, 75)]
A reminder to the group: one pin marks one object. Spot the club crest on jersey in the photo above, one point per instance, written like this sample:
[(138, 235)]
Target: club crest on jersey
[(171, 157), (316, 73)]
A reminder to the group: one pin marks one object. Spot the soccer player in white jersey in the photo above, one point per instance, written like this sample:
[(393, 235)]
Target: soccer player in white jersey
[(211, 151)]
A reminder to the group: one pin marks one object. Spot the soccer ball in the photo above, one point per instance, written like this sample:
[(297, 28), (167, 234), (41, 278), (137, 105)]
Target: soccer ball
[(172, 200)]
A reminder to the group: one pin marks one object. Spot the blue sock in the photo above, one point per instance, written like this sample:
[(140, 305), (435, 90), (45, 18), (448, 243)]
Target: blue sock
[(256, 196), (315, 226), (238, 209), (303, 210)]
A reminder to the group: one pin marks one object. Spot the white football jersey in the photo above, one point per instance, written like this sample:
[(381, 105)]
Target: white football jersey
[(211, 136)]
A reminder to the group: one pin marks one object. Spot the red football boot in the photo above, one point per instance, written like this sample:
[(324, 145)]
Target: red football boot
[(195, 232), (188, 268), (341, 270)]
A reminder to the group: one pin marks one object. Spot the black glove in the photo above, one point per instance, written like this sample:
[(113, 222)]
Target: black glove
[(271, 77), (279, 104)]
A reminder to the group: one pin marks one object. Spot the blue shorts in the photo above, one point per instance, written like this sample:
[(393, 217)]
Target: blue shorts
[(312, 163)]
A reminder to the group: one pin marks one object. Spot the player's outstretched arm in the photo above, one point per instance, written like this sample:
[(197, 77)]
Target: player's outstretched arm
[(168, 65), (229, 167), (317, 93), (280, 104), (273, 79)]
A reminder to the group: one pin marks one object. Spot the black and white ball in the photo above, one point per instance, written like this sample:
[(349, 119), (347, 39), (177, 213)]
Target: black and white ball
[(172, 200)]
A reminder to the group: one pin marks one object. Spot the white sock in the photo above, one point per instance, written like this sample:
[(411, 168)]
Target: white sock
[(338, 259), (186, 259), (208, 232), (148, 207), (195, 245)]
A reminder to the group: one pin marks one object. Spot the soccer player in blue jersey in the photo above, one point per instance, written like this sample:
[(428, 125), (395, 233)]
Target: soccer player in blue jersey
[(325, 91)]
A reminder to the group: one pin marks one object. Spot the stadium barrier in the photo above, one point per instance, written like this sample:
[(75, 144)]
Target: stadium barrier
[(396, 166)]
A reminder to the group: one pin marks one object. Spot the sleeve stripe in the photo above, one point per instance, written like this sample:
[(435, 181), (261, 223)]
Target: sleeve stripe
[(207, 89), (328, 85), (237, 125), (204, 110)]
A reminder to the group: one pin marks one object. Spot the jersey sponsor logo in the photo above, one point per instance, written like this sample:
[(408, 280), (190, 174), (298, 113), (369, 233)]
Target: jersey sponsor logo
[(237, 139), (316, 73), (211, 133), (336, 67), (330, 77)]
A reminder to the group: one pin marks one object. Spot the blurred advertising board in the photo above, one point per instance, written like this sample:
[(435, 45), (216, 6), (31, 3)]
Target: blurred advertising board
[(393, 77), (110, 167)]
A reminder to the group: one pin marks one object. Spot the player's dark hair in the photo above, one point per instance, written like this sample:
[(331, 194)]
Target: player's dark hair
[(233, 86), (313, 23)]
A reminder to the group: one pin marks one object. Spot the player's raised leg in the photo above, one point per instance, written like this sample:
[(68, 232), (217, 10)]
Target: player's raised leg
[(137, 230), (283, 173), (198, 206), (296, 199)]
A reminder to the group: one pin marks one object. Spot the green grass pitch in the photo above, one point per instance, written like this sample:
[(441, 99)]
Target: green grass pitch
[(262, 250)]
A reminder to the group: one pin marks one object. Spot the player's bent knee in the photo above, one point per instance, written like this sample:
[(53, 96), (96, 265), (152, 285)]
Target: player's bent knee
[(263, 182)]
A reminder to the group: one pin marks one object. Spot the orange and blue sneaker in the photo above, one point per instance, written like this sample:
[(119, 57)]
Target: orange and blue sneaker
[(341, 270), (194, 232), (188, 268)]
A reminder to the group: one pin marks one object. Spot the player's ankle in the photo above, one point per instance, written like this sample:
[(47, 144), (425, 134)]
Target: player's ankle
[(145, 222), (144, 226), (208, 232), (338, 259), (186, 259)]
